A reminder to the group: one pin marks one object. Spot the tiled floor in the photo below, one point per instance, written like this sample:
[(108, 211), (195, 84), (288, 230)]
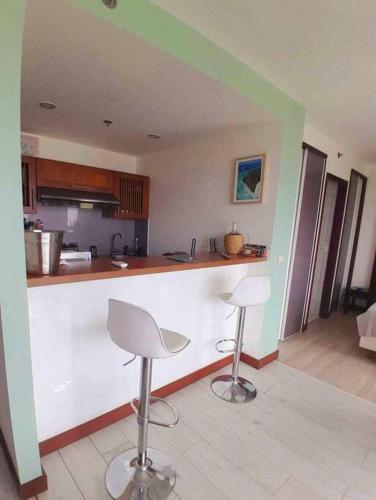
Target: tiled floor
[(300, 439), (329, 350)]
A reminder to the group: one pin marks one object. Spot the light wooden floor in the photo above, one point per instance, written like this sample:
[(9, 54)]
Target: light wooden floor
[(329, 350), (300, 439)]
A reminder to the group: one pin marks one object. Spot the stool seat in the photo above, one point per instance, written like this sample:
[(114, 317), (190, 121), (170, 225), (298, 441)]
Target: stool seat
[(135, 330), (174, 342), (251, 291)]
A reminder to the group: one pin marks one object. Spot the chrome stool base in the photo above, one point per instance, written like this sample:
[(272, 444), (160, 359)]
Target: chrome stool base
[(240, 391), (127, 480)]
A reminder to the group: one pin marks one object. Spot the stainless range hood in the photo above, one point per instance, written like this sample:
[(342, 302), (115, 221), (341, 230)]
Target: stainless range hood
[(53, 196)]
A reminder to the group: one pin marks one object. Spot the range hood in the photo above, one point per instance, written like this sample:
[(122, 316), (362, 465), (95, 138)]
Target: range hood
[(71, 197)]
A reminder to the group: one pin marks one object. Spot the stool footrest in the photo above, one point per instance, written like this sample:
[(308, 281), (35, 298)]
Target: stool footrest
[(155, 399), (225, 351)]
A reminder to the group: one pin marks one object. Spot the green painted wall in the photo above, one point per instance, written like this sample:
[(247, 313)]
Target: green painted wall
[(160, 28), (20, 431), (145, 19)]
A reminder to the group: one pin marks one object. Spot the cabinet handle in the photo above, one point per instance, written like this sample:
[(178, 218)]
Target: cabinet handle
[(79, 186), (32, 199)]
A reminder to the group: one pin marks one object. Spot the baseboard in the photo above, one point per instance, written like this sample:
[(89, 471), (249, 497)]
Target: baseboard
[(29, 489), (83, 430), (259, 363)]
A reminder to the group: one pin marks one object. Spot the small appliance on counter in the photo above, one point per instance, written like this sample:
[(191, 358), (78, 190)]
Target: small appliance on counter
[(75, 255), (72, 253), (43, 250), (234, 241)]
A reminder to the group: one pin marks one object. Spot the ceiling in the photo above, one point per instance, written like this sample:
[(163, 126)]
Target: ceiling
[(94, 71), (321, 53)]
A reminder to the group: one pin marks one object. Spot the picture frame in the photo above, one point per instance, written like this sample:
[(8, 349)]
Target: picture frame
[(249, 179)]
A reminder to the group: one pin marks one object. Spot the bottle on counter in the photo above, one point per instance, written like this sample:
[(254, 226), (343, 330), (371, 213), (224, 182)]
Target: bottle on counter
[(38, 224), (136, 247), (234, 241)]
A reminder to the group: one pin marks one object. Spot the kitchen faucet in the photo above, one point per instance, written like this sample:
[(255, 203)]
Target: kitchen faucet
[(114, 250)]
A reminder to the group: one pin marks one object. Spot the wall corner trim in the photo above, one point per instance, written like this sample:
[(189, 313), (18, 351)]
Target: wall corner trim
[(29, 489), (259, 363)]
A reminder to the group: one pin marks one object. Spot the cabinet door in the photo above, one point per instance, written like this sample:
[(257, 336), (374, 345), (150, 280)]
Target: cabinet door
[(59, 174), (133, 193), (29, 184)]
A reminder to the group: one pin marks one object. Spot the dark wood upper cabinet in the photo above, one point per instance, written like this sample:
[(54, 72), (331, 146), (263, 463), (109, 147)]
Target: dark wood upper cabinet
[(59, 174), (29, 184), (133, 193)]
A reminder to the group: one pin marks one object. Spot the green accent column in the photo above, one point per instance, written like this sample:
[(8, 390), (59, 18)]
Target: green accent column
[(18, 418), (288, 185), (150, 22)]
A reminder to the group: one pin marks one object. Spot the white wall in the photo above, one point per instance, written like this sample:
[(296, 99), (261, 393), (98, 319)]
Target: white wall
[(191, 189), (341, 167), (56, 149)]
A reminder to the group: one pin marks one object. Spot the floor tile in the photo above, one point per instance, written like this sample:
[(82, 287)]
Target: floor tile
[(301, 439), (87, 467), (108, 438), (61, 485), (294, 490), (229, 479)]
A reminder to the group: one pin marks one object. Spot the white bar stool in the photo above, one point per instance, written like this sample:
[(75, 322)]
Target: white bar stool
[(142, 472), (250, 291)]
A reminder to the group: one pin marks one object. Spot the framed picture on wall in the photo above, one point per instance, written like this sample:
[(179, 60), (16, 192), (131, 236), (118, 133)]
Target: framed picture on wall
[(249, 178)]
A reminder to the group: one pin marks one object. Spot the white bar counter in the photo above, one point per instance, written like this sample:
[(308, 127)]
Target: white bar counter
[(77, 370)]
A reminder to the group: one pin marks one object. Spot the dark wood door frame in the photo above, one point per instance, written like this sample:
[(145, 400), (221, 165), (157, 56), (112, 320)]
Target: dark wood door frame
[(334, 245), (372, 286), (357, 228)]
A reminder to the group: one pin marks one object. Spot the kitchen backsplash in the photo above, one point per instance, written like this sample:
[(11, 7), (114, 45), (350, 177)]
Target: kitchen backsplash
[(85, 226)]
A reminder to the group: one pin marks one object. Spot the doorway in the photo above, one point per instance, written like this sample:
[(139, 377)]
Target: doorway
[(320, 295), (349, 245), (317, 243)]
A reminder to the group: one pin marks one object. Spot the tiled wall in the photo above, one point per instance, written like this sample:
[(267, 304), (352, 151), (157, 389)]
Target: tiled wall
[(86, 227), (323, 249)]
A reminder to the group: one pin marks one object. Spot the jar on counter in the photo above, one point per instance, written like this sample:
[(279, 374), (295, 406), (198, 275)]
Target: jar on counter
[(234, 241)]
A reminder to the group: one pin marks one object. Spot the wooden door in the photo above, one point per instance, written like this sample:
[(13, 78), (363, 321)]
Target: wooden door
[(29, 184), (133, 193), (305, 239), (59, 174)]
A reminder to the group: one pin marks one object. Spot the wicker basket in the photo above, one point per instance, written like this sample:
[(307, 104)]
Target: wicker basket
[(234, 243)]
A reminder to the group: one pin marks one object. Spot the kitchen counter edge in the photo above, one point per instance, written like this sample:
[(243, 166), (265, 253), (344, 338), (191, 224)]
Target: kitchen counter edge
[(101, 268)]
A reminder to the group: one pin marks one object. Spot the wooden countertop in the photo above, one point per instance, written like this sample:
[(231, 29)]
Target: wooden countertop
[(101, 268)]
